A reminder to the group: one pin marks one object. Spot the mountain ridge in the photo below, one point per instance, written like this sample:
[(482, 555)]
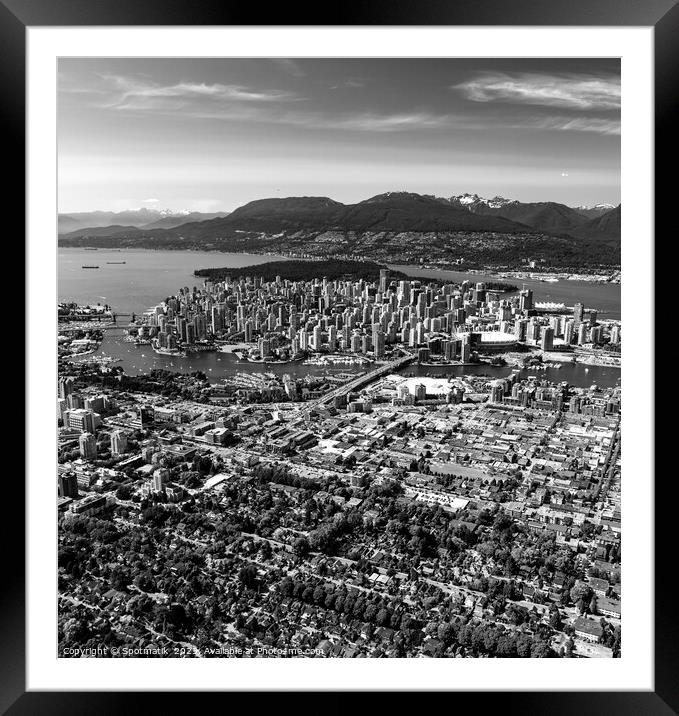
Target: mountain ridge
[(393, 226)]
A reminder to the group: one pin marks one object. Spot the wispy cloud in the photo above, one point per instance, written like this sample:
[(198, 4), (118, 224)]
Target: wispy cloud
[(238, 103), (376, 122), (566, 91), (289, 66), (597, 125), (349, 83), (129, 93)]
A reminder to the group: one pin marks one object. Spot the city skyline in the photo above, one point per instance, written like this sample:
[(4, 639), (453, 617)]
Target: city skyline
[(213, 134)]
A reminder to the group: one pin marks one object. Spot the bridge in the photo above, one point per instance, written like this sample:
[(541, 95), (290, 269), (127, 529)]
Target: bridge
[(362, 380)]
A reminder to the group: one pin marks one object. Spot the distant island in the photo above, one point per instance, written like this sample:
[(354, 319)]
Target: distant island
[(302, 271)]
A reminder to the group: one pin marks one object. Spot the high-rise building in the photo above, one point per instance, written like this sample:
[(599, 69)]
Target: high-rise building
[(465, 348), (88, 446), (82, 420), (378, 343), (420, 392), (526, 300), (496, 391), (66, 386), (578, 313), (161, 477), (547, 343), (384, 279), (118, 442), (68, 484)]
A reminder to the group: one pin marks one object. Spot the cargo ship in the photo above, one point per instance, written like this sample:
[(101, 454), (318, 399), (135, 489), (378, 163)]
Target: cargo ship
[(90, 267)]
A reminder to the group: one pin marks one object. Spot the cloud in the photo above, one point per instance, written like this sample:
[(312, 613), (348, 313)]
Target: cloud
[(376, 122), (289, 66), (237, 103), (150, 201), (127, 93), (574, 124), (350, 83), (566, 91)]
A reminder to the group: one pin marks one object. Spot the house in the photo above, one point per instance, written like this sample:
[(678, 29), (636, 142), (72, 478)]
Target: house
[(600, 586), (608, 607), (588, 629)]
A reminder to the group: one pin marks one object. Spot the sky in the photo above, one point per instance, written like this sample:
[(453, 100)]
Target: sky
[(211, 134)]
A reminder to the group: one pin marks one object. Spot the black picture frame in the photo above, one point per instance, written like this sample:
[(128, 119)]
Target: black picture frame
[(663, 15)]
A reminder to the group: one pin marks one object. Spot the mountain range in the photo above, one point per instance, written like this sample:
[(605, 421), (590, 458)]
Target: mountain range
[(137, 218), (392, 226), (392, 211)]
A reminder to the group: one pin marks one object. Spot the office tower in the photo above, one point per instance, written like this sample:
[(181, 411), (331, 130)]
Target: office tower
[(568, 331), (615, 334), (582, 334), (118, 442), (592, 318), (88, 446), (420, 392)]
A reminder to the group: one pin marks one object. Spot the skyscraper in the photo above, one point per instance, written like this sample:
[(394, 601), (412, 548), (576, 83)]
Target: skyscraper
[(547, 342)]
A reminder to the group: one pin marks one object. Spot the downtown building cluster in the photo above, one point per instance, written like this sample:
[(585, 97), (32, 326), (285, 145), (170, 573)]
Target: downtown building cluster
[(283, 320)]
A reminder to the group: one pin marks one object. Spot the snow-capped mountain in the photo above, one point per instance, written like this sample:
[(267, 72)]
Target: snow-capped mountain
[(592, 212), (148, 218), (472, 201)]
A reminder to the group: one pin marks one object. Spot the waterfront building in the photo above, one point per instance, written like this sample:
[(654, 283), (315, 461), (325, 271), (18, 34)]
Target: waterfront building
[(547, 342)]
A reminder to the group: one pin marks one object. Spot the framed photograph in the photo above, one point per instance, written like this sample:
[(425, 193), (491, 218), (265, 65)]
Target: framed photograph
[(338, 354)]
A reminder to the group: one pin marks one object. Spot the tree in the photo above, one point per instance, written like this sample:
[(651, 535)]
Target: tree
[(593, 606), (301, 547), (248, 575), (124, 492)]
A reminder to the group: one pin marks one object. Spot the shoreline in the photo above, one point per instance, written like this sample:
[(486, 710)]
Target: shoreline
[(612, 277)]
